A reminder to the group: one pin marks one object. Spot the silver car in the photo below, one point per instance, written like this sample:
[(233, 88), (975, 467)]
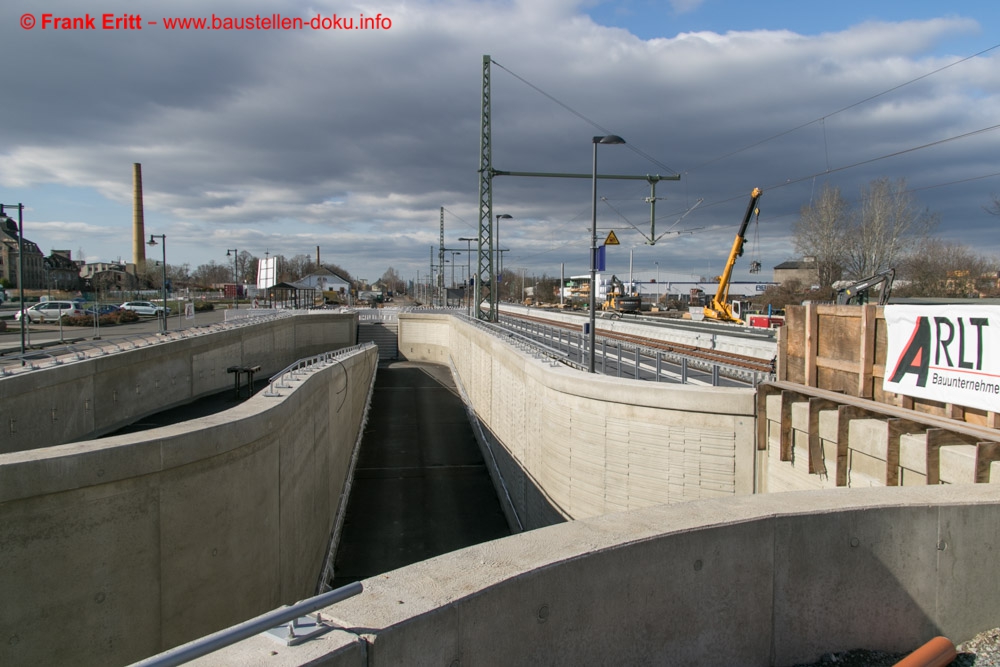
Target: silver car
[(51, 311), (144, 307)]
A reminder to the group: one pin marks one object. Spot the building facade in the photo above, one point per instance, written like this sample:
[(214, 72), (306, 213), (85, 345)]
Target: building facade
[(34, 269)]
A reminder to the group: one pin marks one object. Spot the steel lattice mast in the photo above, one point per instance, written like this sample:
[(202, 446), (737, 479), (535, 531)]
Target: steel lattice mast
[(486, 274), (483, 289), (440, 281)]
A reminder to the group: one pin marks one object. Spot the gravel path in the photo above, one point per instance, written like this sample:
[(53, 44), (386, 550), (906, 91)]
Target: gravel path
[(983, 650)]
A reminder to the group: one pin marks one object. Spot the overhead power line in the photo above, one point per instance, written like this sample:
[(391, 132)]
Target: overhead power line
[(594, 124), (841, 110)]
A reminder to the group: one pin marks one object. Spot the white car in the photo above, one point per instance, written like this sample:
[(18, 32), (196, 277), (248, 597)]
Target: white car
[(144, 307), (50, 311)]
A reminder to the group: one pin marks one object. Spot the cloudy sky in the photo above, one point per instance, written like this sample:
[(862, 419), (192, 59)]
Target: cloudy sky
[(284, 140)]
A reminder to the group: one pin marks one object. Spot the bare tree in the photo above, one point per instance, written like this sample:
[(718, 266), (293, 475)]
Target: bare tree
[(994, 208), (296, 268), (889, 226), (246, 268), (944, 268), (392, 280), (211, 274), (822, 232)]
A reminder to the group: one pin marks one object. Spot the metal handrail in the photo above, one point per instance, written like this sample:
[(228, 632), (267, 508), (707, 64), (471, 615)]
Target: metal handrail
[(55, 355), (272, 619), (304, 363), (733, 372)]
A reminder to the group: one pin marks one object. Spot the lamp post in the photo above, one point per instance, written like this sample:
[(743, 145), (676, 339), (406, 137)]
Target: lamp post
[(453, 253), (163, 243), (468, 266), (20, 266), (609, 139), (236, 277), (657, 284), (495, 293)]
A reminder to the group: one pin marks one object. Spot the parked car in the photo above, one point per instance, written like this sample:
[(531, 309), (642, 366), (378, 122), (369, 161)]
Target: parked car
[(50, 311), (144, 307), (102, 309)]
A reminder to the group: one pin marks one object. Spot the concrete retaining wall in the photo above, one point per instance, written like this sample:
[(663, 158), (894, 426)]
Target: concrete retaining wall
[(88, 398), (569, 445), (112, 550), (756, 581)]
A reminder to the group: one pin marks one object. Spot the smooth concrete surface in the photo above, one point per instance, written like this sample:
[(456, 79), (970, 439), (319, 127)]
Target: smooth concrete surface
[(116, 549), (765, 580), (83, 399), (571, 445), (420, 486)]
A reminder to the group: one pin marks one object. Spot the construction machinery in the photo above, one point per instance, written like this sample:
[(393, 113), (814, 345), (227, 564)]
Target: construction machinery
[(859, 293), (719, 308), (619, 301)]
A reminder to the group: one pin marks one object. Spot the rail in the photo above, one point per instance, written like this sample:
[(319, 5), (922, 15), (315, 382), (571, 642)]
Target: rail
[(59, 354), (272, 619), (632, 359)]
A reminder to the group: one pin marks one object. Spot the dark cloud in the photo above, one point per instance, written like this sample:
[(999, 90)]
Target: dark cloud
[(355, 140)]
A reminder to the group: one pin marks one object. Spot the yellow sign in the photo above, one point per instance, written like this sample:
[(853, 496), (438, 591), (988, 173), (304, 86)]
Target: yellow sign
[(612, 239)]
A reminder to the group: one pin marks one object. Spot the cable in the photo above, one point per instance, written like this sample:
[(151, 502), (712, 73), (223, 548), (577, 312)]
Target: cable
[(579, 115), (841, 110), (883, 157)]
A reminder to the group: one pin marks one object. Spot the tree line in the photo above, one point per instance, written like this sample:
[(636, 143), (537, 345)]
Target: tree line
[(887, 229)]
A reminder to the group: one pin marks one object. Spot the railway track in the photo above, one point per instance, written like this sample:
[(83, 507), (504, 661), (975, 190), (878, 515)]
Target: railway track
[(692, 351)]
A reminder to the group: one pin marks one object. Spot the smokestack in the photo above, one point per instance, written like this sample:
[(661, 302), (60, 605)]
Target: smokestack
[(317, 256), (138, 228)]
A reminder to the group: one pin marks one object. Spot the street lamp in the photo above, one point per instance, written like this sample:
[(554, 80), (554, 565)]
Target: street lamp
[(609, 139), (20, 265), (163, 242), (468, 272), (495, 293), (453, 253), (657, 284), (236, 277)]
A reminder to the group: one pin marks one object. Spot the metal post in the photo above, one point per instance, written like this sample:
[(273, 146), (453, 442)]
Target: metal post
[(20, 271), (236, 278), (163, 241), (593, 261), (609, 139)]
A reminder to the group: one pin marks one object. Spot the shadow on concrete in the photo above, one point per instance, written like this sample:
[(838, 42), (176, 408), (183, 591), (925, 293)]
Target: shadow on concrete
[(421, 488), (202, 407)]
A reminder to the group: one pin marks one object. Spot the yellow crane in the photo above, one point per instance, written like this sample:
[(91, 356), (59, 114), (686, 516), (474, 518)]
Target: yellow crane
[(720, 308)]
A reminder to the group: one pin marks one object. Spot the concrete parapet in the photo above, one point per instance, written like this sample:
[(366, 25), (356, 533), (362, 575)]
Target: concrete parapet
[(570, 445), (762, 580), (87, 398), (137, 543)]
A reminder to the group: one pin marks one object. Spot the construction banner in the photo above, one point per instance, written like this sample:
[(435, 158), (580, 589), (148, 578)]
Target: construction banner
[(949, 354)]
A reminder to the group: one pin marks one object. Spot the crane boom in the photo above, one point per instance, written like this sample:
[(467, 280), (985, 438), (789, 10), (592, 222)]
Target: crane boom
[(720, 309)]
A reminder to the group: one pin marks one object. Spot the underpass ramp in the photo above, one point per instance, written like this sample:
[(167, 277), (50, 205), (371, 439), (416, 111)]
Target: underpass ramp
[(421, 487)]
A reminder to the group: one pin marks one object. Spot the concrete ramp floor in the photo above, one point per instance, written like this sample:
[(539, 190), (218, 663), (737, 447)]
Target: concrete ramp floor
[(421, 487)]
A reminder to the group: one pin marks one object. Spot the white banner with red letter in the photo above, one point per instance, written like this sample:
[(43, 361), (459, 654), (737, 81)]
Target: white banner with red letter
[(949, 354)]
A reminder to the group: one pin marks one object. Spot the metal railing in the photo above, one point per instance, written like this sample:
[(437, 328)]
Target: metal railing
[(306, 365), (272, 619), (62, 353), (617, 358)]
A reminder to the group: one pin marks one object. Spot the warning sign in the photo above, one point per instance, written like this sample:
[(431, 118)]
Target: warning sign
[(612, 239)]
